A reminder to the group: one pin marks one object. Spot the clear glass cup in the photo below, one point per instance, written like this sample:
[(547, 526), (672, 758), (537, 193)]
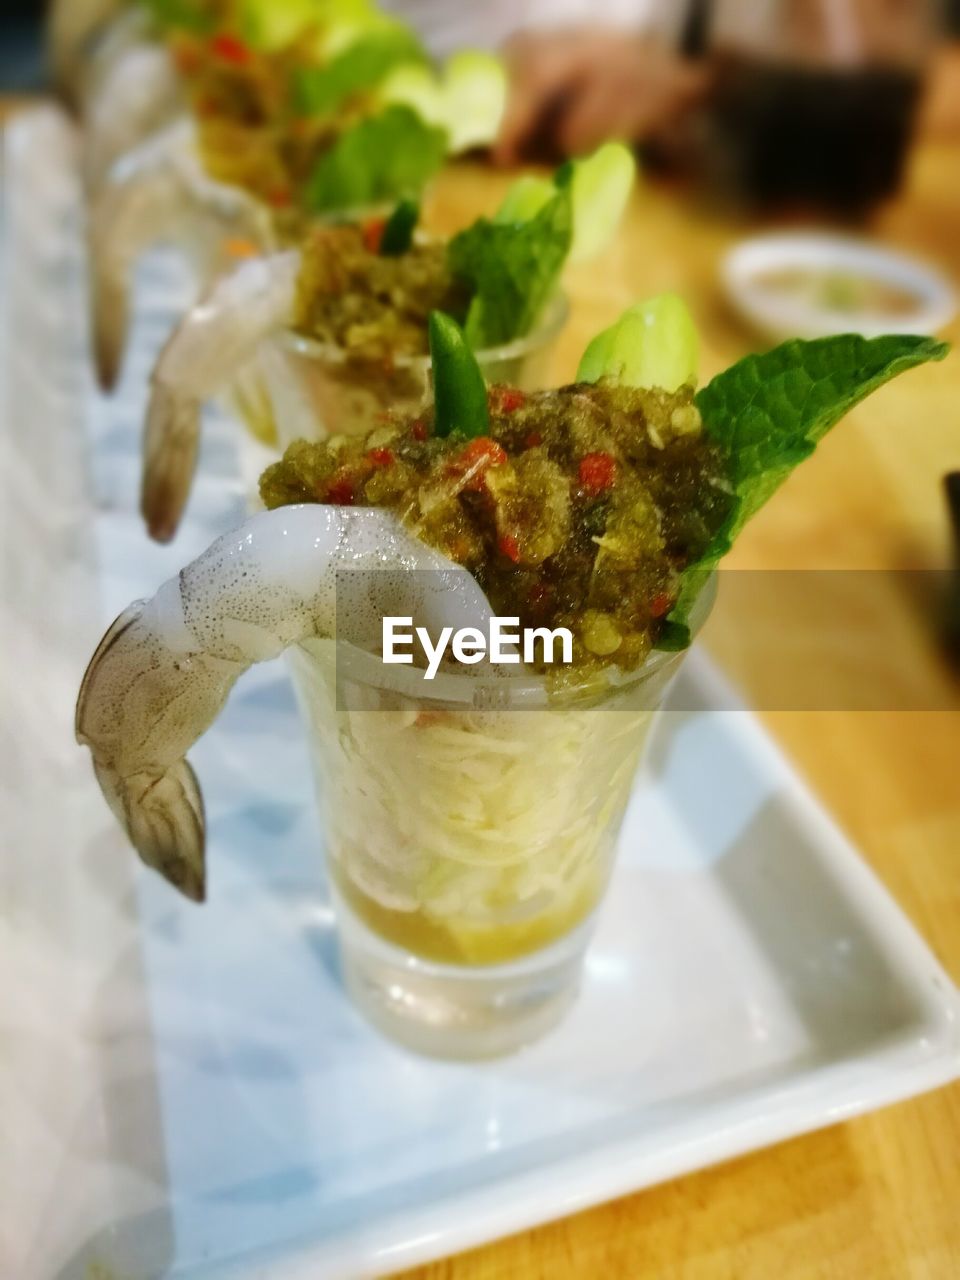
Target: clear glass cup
[(814, 101), (470, 826), (299, 389)]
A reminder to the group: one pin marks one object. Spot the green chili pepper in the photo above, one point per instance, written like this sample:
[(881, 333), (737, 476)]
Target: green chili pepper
[(459, 391), (398, 233)]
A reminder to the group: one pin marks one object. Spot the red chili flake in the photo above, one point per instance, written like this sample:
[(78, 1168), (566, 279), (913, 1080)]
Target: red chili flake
[(661, 604), (207, 107), (507, 546), (381, 457), (340, 492), (473, 461), (485, 449), (533, 439), (280, 197), (186, 55), (230, 49), (419, 431), (597, 472), (506, 399), (372, 232)]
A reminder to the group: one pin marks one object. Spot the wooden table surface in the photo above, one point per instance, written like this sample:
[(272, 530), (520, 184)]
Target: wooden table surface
[(877, 1197)]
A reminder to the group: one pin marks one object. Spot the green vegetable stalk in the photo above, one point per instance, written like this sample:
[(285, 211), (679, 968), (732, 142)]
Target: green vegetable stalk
[(460, 393), (398, 233)]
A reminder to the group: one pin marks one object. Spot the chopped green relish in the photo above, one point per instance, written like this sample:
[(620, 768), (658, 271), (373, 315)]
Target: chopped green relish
[(373, 306), (579, 509)]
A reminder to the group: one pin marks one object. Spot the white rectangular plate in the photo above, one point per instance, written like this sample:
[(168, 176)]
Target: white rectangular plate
[(186, 1092)]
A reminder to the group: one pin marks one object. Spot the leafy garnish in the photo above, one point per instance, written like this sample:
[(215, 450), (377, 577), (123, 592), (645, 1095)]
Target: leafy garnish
[(358, 69), (767, 413), (653, 344), (380, 159), (398, 230), (459, 391), (525, 198), (467, 98), (511, 268), (512, 262), (271, 24), (345, 21), (600, 187), (180, 15)]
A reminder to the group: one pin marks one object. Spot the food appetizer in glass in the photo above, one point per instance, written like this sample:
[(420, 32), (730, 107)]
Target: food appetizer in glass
[(471, 819), (286, 125), (326, 339)]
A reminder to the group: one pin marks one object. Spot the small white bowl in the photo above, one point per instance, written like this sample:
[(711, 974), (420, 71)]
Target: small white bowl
[(781, 312)]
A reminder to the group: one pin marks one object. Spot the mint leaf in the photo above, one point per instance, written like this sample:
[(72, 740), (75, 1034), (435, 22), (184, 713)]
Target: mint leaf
[(511, 268), (380, 159), (360, 68), (767, 413)]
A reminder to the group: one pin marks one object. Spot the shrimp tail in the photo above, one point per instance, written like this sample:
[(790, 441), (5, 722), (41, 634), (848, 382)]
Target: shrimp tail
[(162, 673), (162, 815), (126, 218), (110, 323), (211, 347), (171, 442), (71, 26), (159, 806)]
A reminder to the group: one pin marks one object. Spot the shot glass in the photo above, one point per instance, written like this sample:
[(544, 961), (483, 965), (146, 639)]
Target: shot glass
[(300, 389), (470, 827)]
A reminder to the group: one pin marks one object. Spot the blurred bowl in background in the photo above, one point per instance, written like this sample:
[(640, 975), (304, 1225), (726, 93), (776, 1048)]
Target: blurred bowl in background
[(807, 285)]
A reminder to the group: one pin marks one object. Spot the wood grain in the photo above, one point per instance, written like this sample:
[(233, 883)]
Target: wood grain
[(877, 1198)]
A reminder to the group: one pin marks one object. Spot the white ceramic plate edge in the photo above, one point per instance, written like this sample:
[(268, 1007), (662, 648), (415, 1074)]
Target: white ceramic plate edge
[(823, 1097)]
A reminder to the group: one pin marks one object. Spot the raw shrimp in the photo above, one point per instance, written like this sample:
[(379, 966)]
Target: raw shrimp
[(137, 94), (162, 672), (213, 342), (73, 27), (160, 192)]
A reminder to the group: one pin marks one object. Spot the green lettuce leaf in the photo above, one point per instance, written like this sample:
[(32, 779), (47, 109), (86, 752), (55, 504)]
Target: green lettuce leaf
[(342, 22), (512, 261), (359, 68), (512, 269), (600, 186), (767, 413), (271, 24), (653, 344), (467, 98), (525, 198), (381, 159)]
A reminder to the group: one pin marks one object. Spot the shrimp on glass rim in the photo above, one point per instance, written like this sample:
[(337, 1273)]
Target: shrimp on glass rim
[(160, 192), (73, 29), (162, 672), (216, 339), (138, 93)]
